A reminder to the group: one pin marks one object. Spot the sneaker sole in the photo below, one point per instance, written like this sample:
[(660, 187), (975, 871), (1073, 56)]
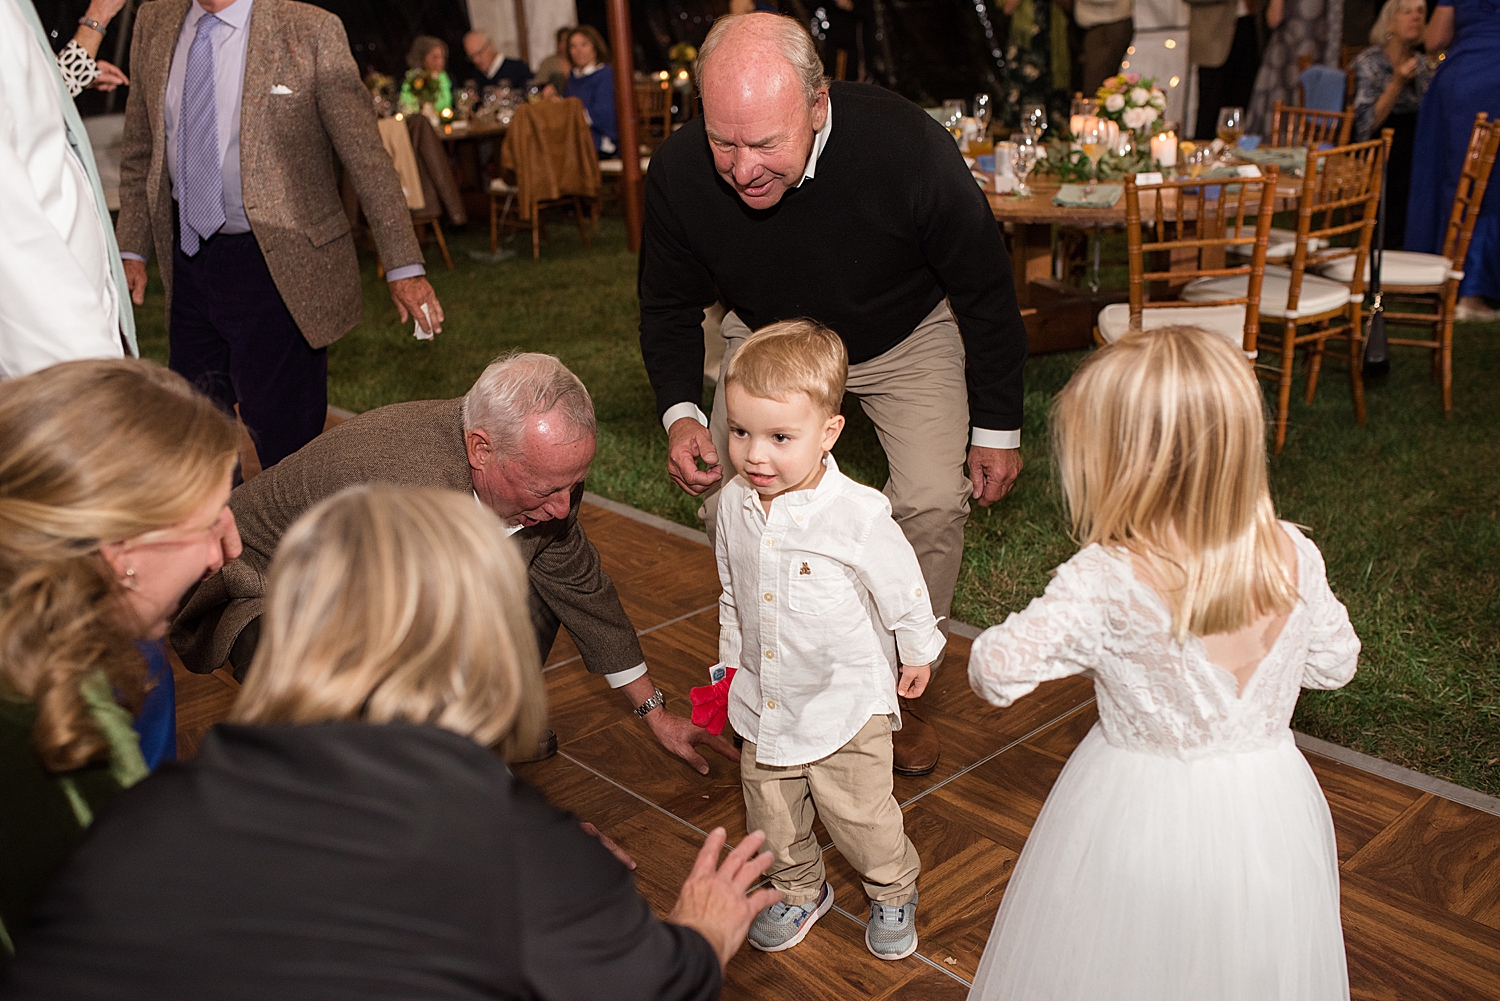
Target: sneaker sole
[(823, 909), (881, 955)]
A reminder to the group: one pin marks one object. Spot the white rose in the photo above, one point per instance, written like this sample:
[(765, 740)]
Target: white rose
[(1139, 96), (1150, 114), (1114, 102), (1134, 118), (1158, 99)]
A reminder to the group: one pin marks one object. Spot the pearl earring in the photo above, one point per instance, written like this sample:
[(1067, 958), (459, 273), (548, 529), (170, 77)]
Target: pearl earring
[(130, 583)]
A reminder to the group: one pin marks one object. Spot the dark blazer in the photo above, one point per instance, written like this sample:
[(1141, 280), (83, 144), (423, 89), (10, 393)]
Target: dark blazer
[(347, 861), (418, 444), (288, 139), (511, 71)]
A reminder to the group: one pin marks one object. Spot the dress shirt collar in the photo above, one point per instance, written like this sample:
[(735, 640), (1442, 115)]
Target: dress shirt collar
[(800, 500), (819, 141), (236, 15), (589, 70), (495, 66), (509, 529)]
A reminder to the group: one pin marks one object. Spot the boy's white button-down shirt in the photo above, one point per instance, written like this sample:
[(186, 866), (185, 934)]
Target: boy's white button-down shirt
[(817, 597)]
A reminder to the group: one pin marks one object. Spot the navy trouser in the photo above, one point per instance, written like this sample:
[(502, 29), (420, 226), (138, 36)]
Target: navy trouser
[(233, 338)]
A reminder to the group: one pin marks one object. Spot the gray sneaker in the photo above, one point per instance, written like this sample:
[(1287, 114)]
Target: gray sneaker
[(892, 931), (782, 926)]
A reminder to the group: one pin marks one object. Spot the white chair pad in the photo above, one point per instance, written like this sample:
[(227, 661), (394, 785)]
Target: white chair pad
[(1397, 268), (1282, 243), (1227, 321), (616, 166), (499, 187), (1319, 295)]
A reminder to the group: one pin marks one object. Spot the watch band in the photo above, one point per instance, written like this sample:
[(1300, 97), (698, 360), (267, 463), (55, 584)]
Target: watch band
[(656, 699), (91, 23)]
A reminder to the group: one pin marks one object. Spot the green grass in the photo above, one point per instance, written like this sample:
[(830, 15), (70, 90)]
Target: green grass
[(1407, 511)]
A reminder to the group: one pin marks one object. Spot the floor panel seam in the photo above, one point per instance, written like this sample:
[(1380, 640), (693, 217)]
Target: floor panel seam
[(639, 633), (624, 788), (916, 955)]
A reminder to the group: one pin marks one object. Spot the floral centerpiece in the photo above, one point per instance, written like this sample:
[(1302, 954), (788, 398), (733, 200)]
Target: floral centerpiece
[(1133, 102)]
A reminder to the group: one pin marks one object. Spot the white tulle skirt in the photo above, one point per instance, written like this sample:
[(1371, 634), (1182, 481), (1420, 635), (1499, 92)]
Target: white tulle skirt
[(1152, 878)]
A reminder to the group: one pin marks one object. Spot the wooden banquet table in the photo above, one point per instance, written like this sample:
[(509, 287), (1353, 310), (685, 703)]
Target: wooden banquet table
[(1060, 317)]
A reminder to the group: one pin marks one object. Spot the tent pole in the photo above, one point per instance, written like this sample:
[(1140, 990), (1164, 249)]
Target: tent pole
[(521, 32), (631, 190)]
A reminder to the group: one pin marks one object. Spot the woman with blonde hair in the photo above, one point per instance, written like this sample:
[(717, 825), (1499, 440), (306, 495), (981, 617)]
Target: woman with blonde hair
[(1186, 850), (351, 833), (114, 482)]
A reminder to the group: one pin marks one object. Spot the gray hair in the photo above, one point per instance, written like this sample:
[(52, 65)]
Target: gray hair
[(519, 384), (791, 39), (1380, 33)]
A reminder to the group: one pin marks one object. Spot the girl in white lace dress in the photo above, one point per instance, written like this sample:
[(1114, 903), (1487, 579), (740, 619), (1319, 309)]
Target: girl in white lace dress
[(1186, 851)]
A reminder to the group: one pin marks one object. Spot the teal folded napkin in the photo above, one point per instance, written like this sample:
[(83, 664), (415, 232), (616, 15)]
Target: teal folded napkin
[(1288, 158), (1076, 196)]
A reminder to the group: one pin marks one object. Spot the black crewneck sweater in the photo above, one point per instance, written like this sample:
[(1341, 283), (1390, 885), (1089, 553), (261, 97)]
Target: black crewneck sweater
[(891, 222)]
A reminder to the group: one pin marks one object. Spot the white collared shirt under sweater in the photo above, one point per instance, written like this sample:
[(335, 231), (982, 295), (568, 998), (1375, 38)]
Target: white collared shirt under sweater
[(818, 596)]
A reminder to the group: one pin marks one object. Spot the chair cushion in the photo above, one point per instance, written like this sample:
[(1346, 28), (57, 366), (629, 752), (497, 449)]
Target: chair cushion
[(615, 166), (1228, 321), (1282, 243), (499, 187), (1319, 295), (1397, 267)]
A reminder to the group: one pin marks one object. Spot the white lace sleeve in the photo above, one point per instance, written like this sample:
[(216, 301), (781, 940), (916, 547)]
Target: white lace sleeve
[(77, 67), (1054, 637), (1332, 647)]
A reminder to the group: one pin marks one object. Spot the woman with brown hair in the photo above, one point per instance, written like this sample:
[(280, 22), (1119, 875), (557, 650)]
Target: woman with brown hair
[(114, 482), (352, 833), (592, 81)]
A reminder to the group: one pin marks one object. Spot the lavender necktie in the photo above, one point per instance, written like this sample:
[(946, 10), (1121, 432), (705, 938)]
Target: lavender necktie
[(200, 177)]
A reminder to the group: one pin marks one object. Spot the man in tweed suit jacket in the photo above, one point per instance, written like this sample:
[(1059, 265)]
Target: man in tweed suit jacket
[(235, 116), (521, 441)]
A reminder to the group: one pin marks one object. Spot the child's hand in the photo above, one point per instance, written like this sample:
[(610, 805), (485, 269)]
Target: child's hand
[(913, 680)]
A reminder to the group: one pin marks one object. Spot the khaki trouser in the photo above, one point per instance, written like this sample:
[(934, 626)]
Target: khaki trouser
[(851, 790), (917, 398)]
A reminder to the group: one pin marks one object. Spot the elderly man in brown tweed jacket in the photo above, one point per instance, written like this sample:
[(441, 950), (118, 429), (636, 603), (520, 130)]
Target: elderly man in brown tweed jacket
[(521, 441), (235, 116)]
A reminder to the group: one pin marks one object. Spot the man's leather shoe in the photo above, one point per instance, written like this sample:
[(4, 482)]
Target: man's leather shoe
[(545, 749), (915, 746)]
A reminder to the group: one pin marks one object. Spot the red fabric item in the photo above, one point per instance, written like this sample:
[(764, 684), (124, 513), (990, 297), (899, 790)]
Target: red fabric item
[(711, 704)]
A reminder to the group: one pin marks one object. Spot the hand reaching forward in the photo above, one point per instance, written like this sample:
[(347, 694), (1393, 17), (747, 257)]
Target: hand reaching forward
[(682, 738), (713, 900), (409, 294), (687, 442), (110, 76)]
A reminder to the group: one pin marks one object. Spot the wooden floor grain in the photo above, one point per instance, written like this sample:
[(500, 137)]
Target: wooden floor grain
[(1420, 874)]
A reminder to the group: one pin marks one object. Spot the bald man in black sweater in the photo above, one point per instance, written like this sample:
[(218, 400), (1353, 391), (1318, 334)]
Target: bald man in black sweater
[(849, 205)]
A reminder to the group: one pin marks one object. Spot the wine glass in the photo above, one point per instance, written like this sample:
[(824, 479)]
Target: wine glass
[(983, 105), (1231, 126), (1023, 157), (1094, 140), (1034, 120)]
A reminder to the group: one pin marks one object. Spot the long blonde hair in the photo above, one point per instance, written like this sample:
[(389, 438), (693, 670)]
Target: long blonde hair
[(1161, 449), (91, 452), (389, 604)]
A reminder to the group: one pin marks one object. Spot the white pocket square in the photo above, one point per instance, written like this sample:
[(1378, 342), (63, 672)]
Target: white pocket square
[(280, 89)]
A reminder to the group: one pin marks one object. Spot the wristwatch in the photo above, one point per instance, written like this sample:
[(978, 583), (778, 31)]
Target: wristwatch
[(90, 22), (656, 699)]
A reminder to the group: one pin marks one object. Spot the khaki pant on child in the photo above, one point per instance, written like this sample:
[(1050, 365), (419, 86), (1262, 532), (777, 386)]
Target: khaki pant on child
[(851, 790)]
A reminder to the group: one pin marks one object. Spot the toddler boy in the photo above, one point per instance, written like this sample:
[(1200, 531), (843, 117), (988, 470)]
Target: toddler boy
[(820, 586)]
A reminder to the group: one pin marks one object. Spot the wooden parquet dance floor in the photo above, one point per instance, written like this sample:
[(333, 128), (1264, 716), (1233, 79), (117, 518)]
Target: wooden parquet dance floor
[(1421, 874)]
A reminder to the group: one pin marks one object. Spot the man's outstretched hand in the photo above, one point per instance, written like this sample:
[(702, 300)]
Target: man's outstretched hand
[(687, 442), (409, 294), (992, 472), (682, 738), (714, 901)]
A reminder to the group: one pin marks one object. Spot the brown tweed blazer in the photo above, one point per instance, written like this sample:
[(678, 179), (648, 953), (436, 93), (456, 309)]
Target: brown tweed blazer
[(287, 146), (418, 444)]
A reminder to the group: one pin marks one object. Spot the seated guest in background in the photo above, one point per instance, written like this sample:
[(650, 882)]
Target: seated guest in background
[(558, 63), (427, 76), (1390, 79), (520, 442), (592, 81), (352, 834), (494, 69), (114, 477)]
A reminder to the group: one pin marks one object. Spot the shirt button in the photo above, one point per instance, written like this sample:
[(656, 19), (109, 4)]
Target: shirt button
[(770, 542), (770, 596), (770, 655), (770, 705), (918, 592), (799, 519)]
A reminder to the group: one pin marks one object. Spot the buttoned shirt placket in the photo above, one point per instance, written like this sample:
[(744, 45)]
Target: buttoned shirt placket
[(769, 585)]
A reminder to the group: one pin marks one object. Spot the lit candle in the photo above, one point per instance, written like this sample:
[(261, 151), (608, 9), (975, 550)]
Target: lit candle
[(1164, 148), (1075, 124)]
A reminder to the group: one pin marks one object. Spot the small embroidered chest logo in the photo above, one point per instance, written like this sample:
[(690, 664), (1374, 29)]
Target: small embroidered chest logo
[(805, 571)]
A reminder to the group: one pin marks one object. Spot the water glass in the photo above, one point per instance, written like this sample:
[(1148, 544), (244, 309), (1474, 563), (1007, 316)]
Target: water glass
[(983, 106), (1023, 157), (1034, 120)]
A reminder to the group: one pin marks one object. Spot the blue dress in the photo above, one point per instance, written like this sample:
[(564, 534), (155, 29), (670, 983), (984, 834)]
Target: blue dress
[(1466, 83), (597, 92)]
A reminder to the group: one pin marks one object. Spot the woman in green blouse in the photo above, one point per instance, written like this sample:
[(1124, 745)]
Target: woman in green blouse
[(427, 80), (114, 490)]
